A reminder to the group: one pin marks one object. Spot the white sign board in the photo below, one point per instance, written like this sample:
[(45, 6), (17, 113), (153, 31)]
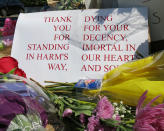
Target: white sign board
[(156, 15), (66, 46)]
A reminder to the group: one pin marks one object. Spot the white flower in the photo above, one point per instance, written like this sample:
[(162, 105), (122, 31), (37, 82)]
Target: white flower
[(115, 104), (129, 111), (122, 116), (114, 116), (116, 112), (121, 102), (117, 109)]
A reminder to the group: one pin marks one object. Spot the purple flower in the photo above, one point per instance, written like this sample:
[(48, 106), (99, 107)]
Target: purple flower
[(7, 31), (93, 124), (118, 118), (9, 27), (7, 40), (82, 118), (67, 112), (104, 108), (149, 118), (12, 104)]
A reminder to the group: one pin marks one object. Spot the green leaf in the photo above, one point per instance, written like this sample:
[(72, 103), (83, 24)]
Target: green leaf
[(86, 112), (86, 107), (113, 123), (61, 109), (25, 122), (70, 8), (12, 71), (5, 78), (1, 73), (1, 46), (70, 100), (60, 7)]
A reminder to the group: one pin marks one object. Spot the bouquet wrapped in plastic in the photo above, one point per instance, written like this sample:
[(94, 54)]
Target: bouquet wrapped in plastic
[(125, 83), (24, 105), (129, 81)]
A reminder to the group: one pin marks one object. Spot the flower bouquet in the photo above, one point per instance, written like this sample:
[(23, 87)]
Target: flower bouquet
[(91, 105)]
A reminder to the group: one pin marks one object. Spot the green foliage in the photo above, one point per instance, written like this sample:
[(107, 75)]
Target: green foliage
[(120, 126), (22, 122), (1, 46), (70, 4), (77, 106), (64, 101), (34, 2)]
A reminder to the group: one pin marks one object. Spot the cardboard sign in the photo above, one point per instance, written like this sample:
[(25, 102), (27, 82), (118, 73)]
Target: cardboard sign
[(66, 46), (156, 15)]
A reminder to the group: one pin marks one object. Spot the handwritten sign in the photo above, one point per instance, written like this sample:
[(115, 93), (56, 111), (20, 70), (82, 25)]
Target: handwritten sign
[(156, 15), (66, 46)]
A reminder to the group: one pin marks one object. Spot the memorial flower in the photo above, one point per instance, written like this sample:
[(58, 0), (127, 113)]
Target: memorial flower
[(7, 40), (93, 124), (9, 27), (67, 112), (7, 32), (149, 118), (104, 109), (10, 65), (82, 118)]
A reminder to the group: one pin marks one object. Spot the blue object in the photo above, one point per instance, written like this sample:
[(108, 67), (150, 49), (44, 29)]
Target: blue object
[(91, 84)]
